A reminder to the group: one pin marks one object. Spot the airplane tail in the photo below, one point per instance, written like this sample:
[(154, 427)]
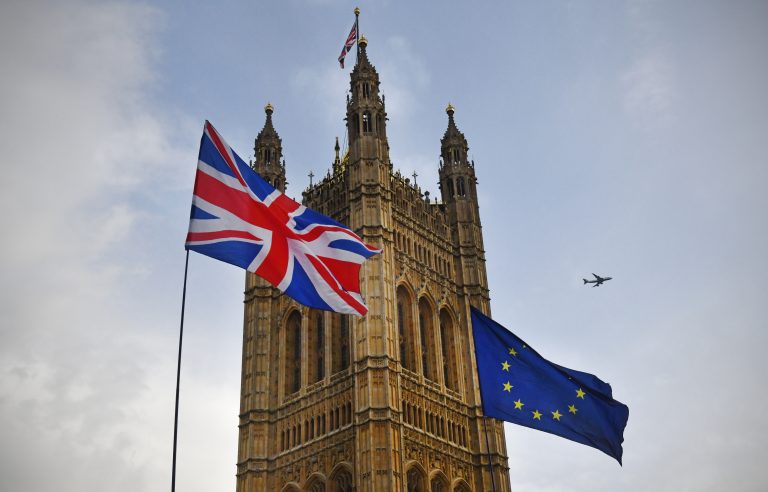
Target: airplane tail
[(585, 281)]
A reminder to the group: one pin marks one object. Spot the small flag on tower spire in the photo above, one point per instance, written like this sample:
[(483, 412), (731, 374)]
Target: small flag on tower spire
[(351, 39)]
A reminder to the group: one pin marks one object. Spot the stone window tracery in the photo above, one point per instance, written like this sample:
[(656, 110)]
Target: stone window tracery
[(340, 357), (316, 485), (462, 488), (439, 485), (450, 354), (407, 340), (367, 122), (427, 332), (415, 481), (316, 339), (355, 124), (343, 481), (460, 186), (293, 358)]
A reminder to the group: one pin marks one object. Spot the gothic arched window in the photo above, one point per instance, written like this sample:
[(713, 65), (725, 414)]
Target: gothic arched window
[(448, 345), (462, 487), (460, 186), (415, 481), (439, 484), (292, 360), (298, 434), (345, 343), (451, 191), (367, 122), (342, 480), (316, 355), (405, 329), (316, 484), (427, 332), (340, 340)]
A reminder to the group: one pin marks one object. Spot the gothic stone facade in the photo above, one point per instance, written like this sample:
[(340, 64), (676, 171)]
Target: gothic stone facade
[(388, 401)]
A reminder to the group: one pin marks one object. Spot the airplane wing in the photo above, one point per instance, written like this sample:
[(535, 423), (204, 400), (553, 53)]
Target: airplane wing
[(597, 277)]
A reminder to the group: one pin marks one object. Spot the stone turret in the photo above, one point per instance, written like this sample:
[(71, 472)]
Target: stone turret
[(366, 115), (458, 185), (268, 153)]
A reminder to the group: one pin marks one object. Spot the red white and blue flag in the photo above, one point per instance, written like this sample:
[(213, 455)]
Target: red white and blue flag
[(348, 43), (239, 218)]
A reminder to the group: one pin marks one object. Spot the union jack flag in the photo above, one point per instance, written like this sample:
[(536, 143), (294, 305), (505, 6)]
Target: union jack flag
[(348, 44), (239, 218)]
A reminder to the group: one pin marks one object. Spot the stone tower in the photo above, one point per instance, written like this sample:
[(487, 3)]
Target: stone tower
[(389, 401), (268, 153)]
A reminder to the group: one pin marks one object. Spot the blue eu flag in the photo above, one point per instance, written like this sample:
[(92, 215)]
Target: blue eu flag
[(520, 386)]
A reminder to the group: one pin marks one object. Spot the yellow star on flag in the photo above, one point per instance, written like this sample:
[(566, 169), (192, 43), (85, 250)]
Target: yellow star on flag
[(507, 386), (512, 352), (573, 409), (556, 415), (505, 366), (536, 415), (519, 404), (580, 393)]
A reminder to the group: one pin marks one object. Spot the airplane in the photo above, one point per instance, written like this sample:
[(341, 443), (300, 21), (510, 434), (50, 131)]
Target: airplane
[(598, 280)]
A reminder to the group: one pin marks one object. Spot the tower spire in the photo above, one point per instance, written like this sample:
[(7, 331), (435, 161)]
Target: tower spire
[(457, 174), (453, 144), (362, 53), (268, 153), (337, 159), (366, 114)]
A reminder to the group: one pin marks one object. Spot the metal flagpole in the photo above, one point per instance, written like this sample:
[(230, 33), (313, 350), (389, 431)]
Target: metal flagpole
[(178, 377), (357, 34), (485, 426), (488, 446)]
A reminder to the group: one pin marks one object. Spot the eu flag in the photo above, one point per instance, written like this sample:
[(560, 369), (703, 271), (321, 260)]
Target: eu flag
[(520, 386)]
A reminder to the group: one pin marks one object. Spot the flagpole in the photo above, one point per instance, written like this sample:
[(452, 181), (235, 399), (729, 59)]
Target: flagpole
[(178, 376), (485, 424), (357, 34), (488, 447)]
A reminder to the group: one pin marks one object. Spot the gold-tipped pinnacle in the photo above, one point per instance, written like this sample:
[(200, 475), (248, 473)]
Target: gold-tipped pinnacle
[(450, 109), (269, 108), (363, 41)]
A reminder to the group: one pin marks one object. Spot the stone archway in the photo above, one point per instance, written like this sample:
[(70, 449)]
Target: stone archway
[(341, 479), (316, 483), (416, 478)]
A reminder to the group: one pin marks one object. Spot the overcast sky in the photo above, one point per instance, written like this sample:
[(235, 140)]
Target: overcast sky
[(623, 138)]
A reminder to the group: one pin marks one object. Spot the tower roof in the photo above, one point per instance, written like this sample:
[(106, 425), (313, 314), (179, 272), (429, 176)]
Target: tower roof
[(452, 134), (268, 132), (363, 65)]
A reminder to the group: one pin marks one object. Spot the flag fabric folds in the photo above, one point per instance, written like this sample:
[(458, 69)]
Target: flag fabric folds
[(348, 44), (519, 386), (239, 218)]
